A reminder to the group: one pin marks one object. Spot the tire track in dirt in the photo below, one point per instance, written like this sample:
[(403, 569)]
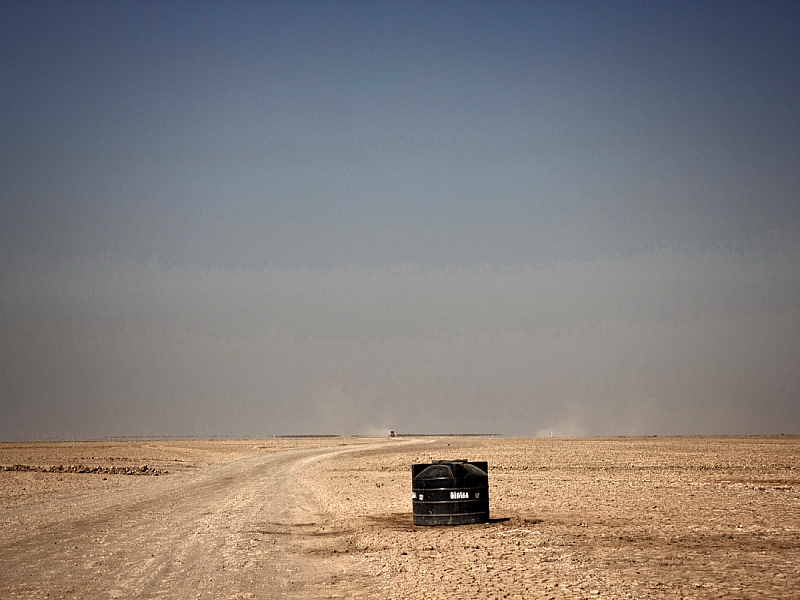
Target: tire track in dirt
[(244, 529)]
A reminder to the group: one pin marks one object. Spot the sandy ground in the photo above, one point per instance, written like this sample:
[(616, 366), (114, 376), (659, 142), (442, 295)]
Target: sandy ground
[(666, 517)]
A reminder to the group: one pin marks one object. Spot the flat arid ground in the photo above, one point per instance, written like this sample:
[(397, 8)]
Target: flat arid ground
[(657, 517)]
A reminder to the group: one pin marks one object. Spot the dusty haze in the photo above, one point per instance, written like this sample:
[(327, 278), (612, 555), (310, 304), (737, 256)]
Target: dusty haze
[(350, 218)]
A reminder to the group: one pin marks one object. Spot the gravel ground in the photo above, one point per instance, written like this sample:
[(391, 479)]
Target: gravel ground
[(665, 517)]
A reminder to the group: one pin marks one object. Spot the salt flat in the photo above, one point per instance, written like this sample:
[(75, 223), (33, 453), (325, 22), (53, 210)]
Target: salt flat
[(665, 517)]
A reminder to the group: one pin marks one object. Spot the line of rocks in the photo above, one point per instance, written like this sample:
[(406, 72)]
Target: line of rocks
[(141, 470)]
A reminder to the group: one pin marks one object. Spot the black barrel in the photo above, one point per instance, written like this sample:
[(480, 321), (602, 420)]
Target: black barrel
[(450, 492)]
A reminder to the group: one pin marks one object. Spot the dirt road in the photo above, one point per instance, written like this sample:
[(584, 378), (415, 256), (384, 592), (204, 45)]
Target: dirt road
[(249, 528)]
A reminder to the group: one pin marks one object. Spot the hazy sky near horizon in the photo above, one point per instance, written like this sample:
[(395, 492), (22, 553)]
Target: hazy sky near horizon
[(260, 218)]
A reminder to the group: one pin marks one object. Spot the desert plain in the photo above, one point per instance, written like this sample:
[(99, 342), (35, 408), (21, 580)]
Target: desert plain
[(627, 517)]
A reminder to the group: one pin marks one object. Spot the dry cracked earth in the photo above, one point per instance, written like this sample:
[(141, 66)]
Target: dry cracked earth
[(665, 517)]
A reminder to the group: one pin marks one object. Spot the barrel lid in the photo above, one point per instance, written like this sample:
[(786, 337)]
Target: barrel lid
[(450, 469)]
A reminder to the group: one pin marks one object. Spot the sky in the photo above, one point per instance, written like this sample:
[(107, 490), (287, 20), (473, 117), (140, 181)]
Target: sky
[(526, 218)]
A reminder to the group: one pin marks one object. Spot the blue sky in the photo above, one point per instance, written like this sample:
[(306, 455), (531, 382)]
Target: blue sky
[(357, 177)]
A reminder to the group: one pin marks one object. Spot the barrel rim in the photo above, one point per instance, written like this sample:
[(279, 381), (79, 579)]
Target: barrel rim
[(457, 488)]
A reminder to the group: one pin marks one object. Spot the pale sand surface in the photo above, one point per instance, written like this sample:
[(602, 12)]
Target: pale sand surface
[(666, 517)]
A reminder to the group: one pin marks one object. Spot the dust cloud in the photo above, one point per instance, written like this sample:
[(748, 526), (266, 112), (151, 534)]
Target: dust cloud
[(676, 340)]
